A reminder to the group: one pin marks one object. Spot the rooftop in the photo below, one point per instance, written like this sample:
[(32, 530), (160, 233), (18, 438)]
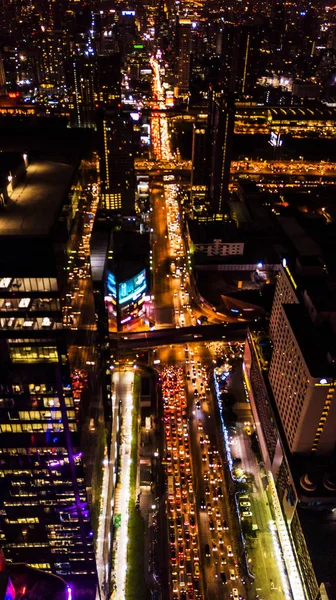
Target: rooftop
[(35, 203), (303, 243), (315, 342), (208, 232)]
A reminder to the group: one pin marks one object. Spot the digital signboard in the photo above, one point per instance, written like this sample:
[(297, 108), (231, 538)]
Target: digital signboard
[(111, 285), (131, 290), (128, 291)]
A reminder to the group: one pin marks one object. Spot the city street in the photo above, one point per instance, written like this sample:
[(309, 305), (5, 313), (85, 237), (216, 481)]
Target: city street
[(123, 394)]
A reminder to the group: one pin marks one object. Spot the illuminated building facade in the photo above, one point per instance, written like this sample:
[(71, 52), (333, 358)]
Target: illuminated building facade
[(200, 168), (301, 372), (117, 163), (221, 128), (45, 517), (183, 56), (126, 289)]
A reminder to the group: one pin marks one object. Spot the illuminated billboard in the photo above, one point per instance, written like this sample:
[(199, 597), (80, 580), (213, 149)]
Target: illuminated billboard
[(128, 291), (111, 285), (131, 290)]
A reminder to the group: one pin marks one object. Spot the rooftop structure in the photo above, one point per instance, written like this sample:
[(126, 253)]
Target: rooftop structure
[(37, 201)]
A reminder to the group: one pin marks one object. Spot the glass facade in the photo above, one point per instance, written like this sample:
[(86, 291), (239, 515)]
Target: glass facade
[(44, 511)]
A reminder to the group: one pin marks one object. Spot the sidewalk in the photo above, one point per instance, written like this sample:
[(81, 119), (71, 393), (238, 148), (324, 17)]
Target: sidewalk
[(267, 565)]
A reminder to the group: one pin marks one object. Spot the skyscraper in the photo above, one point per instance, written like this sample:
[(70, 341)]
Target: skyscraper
[(45, 515), (221, 130), (200, 168), (117, 163), (302, 370), (183, 56)]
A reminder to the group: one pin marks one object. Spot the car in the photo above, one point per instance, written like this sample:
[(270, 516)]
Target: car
[(214, 547), (219, 492), (233, 575), (202, 504), (229, 551), (199, 425), (201, 440), (207, 491), (223, 577), (223, 559), (181, 578), (220, 540), (235, 594), (246, 513), (207, 550), (204, 457), (245, 503), (209, 508), (196, 570), (225, 525), (211, 525)]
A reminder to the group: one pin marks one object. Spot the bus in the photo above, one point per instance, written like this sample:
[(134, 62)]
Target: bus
[(171, 489)]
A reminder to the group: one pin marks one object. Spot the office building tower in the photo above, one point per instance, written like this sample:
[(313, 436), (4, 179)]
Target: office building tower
[(81, 83), (117, 163), (2, 77), (237, 69), (45, 516), (93, 82), (200, 168), (302, 370), (109, 81), (183, 40), (54, 49), (221, 131)]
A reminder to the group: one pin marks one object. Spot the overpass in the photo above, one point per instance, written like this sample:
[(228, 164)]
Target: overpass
[(128, 342)]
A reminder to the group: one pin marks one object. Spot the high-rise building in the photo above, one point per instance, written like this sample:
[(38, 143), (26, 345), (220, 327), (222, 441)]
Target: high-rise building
[(109, 81), (302, 369), (82, 90), (2, 77), (237, 69), (117, 163), (93, 82), (54, 49), (45, 515), (221, 131), (183, 40), (200, 168)]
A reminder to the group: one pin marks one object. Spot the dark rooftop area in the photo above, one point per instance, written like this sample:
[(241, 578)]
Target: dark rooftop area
[(207, 232), (314, 341), (35, 203)]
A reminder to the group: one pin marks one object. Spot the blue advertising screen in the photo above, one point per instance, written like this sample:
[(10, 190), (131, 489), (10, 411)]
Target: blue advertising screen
[(111, 285), (132, 289), (129, 290)]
